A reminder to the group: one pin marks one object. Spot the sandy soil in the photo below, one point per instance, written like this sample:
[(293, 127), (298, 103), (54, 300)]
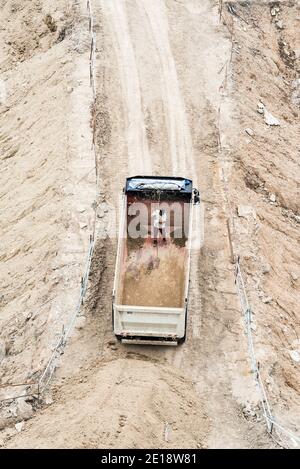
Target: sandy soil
[(161, 76), (263, 166), (48, 181)]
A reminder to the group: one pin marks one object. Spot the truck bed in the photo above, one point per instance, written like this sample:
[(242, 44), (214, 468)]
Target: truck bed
[(149, 278), (153, 275)]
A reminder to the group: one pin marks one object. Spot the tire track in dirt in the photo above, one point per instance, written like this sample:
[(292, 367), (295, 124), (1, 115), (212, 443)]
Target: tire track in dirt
[(181, 162), (201, 358), (124, 153), (187, 357), (138, 152), (200, 355), (180, 143), (179, 159)]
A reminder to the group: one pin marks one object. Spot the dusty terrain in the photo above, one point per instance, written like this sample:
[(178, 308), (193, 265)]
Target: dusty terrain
[(264, 175), (174, 79), (48, 180)]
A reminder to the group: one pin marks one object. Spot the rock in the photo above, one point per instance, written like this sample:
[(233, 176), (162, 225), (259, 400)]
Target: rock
[(246, 210), (19, 426), (80, 322), (248, 412), (252, 180), (274, 11), (24, 409), (266, 269), (50, 22), (295, 355), (279, 24), (294, 276), (270, 119), (267, 299), (48, 400), (249, 131), (30, 398), (83, 225), (253, 326), (13, 410), (272, 197), (260, 108), (61, 35), (296, 344)]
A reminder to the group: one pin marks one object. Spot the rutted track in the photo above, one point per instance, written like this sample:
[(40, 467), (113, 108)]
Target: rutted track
[(147, 70)]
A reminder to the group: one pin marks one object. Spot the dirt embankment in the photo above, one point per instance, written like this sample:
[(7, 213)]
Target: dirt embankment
[(47, 180), (264, 180)]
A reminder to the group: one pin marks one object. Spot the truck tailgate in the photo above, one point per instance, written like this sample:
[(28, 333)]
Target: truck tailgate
[(151, 322)]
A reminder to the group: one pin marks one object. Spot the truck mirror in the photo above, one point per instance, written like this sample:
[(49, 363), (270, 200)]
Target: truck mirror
[(196, 197)]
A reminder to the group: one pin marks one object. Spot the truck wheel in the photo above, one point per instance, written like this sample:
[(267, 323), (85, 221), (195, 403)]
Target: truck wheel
[(181, 340)]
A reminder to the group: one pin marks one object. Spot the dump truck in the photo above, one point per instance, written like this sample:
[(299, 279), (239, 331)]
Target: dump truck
[(150, 293)]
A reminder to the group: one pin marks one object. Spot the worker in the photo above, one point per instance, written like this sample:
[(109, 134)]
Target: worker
[(159, 223)]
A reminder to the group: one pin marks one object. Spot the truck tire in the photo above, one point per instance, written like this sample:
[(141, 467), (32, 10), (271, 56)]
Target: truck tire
[(181, 340)]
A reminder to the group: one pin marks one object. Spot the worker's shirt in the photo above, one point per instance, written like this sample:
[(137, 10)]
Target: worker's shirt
[(159, 221)]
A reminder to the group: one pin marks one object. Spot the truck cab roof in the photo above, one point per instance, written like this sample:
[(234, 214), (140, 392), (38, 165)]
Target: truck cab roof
[(159, 183)]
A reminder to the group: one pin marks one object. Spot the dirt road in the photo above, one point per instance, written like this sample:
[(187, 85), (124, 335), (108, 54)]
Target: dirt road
[(160, 68), (168, 59)]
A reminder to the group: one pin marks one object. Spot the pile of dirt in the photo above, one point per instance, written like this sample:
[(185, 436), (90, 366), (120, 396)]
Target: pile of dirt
[(127, 403), (31, 28), (149, 277)]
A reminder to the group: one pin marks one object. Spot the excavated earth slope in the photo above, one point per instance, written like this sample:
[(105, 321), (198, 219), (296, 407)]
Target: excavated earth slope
[(177, 85)]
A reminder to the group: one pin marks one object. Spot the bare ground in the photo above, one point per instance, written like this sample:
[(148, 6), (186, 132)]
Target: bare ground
[(161, 77)]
